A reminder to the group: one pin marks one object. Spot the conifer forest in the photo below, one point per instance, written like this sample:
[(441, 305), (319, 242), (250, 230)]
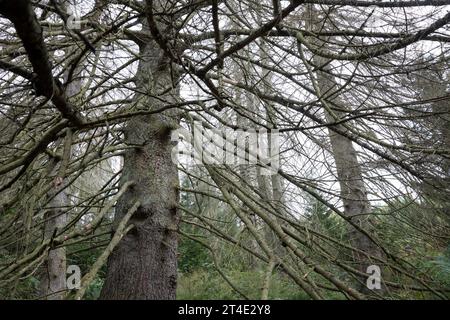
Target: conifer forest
[(225, 150)]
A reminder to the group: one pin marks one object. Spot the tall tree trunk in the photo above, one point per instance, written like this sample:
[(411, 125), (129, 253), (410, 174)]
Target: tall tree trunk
[(352, 189), (53, 273), (356, 203), (53, 276), (144, 264)]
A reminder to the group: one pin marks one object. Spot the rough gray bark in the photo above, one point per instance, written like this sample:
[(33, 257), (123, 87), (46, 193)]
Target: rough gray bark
[(144, 264)]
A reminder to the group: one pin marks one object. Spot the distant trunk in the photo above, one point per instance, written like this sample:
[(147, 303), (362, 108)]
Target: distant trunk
[(53, 277), (53, 273), (356, 203), (353, 191), (144, 264)]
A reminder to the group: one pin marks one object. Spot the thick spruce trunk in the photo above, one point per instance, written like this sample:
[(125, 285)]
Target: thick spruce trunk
[(144, 264)]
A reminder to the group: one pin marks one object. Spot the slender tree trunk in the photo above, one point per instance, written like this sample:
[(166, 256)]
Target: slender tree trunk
[(144, 263), (53, 273), (356, 203), (53, 277), (352, 189)]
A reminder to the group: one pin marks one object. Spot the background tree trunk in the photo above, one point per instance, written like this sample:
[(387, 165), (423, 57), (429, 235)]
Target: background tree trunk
[(53, 276), (349, 175)]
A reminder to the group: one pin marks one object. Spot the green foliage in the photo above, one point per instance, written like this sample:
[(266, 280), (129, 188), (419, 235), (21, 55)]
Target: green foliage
[(324, 220), (440, 268), (209, 285), (84, 255), (192, 256), (430, 256), (25, 289), (93, 291)]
